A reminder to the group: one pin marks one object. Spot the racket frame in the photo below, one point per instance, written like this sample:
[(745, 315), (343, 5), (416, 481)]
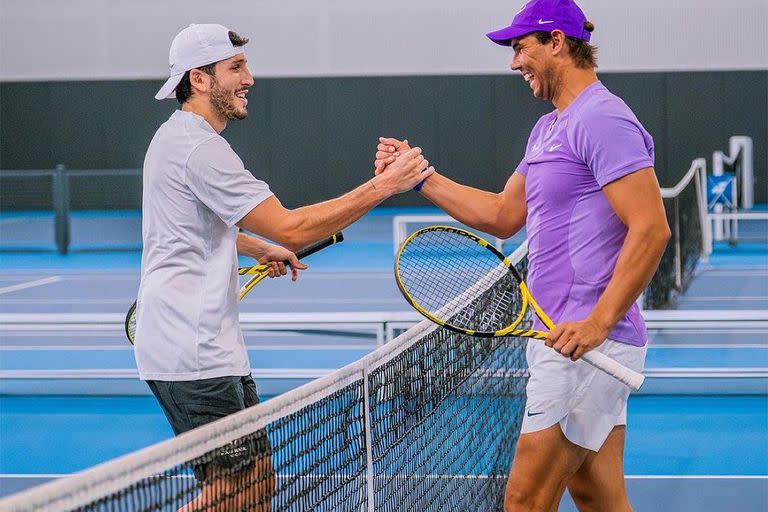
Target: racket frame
[(526, 298), (597, 359)]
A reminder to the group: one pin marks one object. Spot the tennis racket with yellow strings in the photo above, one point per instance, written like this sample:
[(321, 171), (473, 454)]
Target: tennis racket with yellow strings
[(259, 272), (462, 282)]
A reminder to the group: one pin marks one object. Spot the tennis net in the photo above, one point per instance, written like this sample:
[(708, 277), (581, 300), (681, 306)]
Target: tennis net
[(686, 208), (29, 209), (428, 422), (65, 209)]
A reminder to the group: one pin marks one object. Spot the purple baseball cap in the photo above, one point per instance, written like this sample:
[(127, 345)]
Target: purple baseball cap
[(546, 15)]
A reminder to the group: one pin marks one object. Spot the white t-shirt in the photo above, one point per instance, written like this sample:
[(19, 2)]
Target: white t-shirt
[(195, 190)]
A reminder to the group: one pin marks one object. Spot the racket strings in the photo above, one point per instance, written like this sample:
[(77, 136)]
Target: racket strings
[(456, 279), (493, 309), (132, 326)]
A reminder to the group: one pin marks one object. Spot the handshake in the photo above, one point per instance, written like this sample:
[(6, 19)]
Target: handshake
[(398, 167)]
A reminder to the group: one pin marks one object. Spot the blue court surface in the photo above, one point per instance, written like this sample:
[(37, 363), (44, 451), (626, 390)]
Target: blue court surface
[(697, 436)]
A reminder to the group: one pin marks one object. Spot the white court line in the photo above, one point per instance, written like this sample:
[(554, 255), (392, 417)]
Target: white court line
[(722, 298), (33, 475), (734, 273), (697, 477), (718, 332), (746, 268), (30, 284), (6, 222)]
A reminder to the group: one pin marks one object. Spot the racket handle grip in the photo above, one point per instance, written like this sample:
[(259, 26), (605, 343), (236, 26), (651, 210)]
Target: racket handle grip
[(617, 370), (318, 246)]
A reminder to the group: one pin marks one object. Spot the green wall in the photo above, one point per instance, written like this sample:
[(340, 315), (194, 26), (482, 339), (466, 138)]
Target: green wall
[(313, 138)]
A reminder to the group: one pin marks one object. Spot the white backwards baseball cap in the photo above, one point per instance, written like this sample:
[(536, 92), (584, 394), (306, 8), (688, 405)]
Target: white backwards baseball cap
[(193, 47)]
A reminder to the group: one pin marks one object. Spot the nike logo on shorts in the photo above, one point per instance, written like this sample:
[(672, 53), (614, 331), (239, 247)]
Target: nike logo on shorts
[(534, 413)]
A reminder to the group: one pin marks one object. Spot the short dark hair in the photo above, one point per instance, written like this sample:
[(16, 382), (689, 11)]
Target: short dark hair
[(184, 89), (583, 53)]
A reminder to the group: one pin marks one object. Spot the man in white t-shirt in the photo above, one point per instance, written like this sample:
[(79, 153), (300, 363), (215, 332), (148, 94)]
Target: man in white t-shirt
[(197, 193)]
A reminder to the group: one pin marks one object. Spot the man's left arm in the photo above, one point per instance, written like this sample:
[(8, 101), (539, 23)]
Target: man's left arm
[(264, 252), (636, 199)]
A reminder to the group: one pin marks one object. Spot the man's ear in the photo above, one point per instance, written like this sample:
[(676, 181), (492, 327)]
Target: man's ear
[(199, 80), (557, 41)]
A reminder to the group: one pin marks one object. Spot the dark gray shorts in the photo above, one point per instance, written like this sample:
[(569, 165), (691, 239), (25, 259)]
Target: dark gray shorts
[(191, 404)]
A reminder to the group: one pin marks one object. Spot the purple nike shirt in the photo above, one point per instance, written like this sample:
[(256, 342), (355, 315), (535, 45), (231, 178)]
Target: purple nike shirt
[(574, 235)]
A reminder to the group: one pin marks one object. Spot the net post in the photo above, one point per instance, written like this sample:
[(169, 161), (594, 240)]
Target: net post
[(706, 225), (368, 442), (397, 227), (717, 170), (733, 231), (61, 207), (678, 248), (742, 144)]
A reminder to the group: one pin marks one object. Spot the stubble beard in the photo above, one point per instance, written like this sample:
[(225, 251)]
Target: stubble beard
[(223, 103), (549, 84)]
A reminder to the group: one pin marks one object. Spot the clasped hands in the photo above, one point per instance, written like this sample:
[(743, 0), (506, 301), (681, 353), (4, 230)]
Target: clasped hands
[(406, 167)]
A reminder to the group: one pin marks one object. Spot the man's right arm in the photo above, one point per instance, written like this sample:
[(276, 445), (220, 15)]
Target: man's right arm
[(297, 228), (500, 214)]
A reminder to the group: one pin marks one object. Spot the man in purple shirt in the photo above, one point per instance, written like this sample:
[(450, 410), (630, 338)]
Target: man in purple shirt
[(587, 192)]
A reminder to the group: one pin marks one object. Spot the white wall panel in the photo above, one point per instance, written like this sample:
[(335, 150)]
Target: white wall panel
[(106, 39)]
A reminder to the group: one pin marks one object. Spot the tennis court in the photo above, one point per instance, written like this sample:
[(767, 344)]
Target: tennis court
[(695, 425)]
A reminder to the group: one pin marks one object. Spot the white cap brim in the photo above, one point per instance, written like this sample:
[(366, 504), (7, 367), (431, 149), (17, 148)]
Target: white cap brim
[(168, 90)]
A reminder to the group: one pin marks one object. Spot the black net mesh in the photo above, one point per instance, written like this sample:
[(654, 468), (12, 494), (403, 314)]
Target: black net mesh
[(445, 418), (311, 459), (27, 211), (104, 210), (681, 256)]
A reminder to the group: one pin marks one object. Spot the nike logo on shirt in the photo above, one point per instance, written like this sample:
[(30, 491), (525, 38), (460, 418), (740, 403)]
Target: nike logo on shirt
[(554, 147)]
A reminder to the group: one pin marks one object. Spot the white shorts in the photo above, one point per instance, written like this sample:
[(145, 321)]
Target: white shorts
[(586, 402)]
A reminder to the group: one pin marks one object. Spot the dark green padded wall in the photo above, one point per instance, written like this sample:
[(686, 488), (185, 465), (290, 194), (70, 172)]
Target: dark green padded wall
[(313, 138)]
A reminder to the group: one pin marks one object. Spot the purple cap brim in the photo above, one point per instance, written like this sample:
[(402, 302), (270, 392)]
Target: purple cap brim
[(505, 36)]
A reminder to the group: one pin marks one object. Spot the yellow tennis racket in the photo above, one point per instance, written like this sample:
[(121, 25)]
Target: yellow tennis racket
[(259, 272), (463, 283)]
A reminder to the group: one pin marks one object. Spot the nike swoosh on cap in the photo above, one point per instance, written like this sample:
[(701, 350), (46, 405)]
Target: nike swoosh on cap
[(544, 22)]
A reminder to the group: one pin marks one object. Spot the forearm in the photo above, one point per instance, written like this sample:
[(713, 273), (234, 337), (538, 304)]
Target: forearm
[(298, 228), (636, 264), (476, 208), (250, 246), (308, 224)]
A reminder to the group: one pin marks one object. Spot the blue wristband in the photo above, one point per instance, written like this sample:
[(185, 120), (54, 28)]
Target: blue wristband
[(417, 188)]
